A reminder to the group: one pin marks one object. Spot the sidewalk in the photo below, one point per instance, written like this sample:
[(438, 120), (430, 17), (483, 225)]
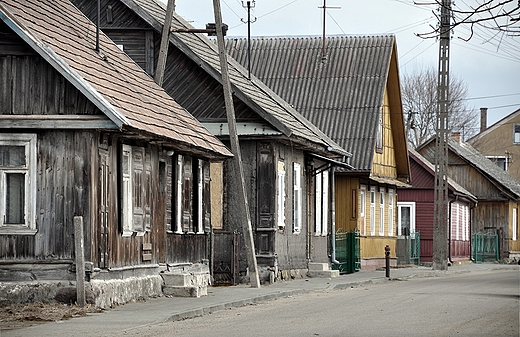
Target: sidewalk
[(163, 309)]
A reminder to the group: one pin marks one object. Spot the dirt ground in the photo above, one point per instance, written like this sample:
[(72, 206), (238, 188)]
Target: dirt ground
[(17, 316)]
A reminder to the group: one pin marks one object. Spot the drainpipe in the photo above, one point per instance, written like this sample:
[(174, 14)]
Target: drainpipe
[(333, 219)]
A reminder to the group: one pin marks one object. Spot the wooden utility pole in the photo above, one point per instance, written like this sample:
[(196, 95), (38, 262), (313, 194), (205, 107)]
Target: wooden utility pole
[(238, 194), (165, 41), (440, 219)]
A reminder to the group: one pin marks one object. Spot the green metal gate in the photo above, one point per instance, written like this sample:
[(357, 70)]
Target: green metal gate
[(347, 252), (485, 247), (415, 248)]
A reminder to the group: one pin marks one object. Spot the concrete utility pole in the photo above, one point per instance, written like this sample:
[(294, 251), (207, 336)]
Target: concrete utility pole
[(440, 219), (165, 41), (238, 197)]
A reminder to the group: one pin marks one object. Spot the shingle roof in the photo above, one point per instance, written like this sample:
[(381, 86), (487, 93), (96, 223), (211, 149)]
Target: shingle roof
[(65, 38), (485, 166), (342, 96), (254, 93)]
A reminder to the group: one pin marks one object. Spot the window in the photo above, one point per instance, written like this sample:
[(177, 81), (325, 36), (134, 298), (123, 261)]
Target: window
[(500, 161), (322, 203), (372, 211), (280, 195), (135, 189), (516, 139), (178, 194), (390, 212), (379, 139), (515, 225), (362, 209), (18, 183), (405, 218), (381, 211), (297, 198)]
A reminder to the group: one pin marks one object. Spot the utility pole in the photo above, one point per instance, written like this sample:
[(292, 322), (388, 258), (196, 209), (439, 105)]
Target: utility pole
[(238, 190), (165, 41), (249, 5), (440, 219)]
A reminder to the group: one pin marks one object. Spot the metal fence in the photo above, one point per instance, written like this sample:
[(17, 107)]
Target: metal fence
[(347, 252), (415, 248), (485, 247)]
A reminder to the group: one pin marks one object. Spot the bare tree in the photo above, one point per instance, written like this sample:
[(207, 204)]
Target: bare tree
[(499, 16), (419, 92)]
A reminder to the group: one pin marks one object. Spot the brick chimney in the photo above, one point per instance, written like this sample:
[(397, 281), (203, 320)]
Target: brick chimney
[(483, 119), (457, 136)]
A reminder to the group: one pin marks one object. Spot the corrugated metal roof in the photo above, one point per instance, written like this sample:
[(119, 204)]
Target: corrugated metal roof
[(259, 97), (64, 37), (342, 95)]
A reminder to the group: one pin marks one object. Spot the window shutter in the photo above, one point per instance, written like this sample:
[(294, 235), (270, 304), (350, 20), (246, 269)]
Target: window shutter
[(146, 191), (325, 203), (169, 194), (187, 195), (137, 190), (206, 197), (126, 189), (318, 203)]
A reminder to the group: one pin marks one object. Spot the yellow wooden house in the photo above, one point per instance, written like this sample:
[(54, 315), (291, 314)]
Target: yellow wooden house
[(350, 90)]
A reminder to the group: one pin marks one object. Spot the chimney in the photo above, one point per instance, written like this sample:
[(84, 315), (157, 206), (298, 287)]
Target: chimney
[(457, 136), (483, 119)]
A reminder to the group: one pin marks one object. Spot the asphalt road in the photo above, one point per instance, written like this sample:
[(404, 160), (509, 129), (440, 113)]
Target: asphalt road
[(476, 304)]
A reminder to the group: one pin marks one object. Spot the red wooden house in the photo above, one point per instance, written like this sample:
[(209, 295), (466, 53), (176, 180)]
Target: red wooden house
[(415, 213)]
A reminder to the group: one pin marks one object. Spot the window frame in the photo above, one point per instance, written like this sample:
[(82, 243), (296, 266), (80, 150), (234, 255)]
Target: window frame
[(372, 211), (280, 195), (400, 205), (391, 201), (516, 134), (29, 141), (297, 199), (381, 211), (362, 208)]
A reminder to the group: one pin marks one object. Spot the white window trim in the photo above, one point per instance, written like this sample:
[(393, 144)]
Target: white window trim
[(325, 203), (391, 200), (127, 188), (362, 211), (400, 205), (280, 195), (515, 225), (297, 198), (27, 140), (372, 211), (318, 203), (382, 211)]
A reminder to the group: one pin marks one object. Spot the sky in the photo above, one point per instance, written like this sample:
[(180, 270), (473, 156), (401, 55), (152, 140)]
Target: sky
[(489, 63)]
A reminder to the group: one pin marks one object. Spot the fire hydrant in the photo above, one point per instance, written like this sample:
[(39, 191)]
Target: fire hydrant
[(387, 258)]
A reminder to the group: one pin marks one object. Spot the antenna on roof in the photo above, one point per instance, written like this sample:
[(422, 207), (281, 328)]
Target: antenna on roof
[(323, 51), (98, 24), (249, 5)]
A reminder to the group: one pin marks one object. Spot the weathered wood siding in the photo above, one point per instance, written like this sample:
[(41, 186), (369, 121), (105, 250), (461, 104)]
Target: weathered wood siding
[(347, 203)]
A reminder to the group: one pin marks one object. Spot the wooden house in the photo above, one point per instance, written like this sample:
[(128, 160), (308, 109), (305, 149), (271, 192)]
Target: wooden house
[(284, 155), (415, 214), (86, 133), (500, 142), (497, 193), (350, 90)]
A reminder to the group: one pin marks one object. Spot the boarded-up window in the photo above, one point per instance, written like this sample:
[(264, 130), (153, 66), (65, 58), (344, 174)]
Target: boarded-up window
[(17, 183), (297, 198)]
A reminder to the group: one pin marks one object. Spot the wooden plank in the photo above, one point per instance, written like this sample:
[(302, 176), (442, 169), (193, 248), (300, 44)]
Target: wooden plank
[(56, 122)]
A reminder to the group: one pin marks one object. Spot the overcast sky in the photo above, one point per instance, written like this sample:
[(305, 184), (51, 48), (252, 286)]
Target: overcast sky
[(489, 63)]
